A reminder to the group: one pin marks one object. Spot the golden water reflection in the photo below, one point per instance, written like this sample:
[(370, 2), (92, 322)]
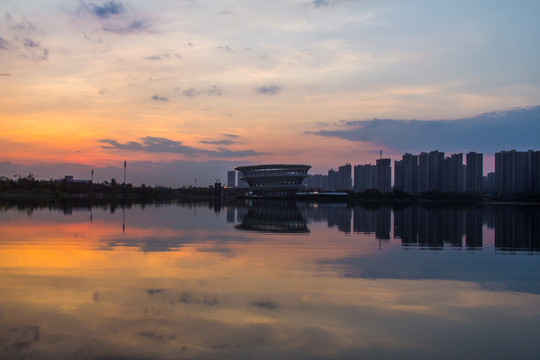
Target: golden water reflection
[(183, 282)]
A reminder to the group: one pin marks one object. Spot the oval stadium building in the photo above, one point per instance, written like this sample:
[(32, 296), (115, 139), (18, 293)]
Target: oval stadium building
[(273, 180)]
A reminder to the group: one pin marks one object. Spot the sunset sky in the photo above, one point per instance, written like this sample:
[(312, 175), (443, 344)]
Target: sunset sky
[(190, 89)]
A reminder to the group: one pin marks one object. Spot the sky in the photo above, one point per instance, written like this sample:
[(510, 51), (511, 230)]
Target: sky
[(186, 90)]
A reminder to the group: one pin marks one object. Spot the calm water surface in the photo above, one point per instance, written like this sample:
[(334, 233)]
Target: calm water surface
[(270, 280)]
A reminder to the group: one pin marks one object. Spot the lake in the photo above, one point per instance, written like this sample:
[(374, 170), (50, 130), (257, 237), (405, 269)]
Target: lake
[(269, 280)]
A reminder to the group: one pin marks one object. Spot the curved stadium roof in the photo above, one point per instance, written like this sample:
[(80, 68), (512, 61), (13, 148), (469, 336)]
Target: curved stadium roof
[(274, 180)]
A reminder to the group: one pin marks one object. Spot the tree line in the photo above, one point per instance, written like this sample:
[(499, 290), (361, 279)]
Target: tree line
[(28, 185)]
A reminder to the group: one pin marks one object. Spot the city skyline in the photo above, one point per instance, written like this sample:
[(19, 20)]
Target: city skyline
[(515, 172), (186, 91)]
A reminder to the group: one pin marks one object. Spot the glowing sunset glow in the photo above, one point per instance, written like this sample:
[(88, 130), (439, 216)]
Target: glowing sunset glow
[(226, 83)]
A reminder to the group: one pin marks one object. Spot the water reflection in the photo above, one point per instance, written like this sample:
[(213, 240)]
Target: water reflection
[(432, 228), (180, 282), (516, 228), (273, 216)]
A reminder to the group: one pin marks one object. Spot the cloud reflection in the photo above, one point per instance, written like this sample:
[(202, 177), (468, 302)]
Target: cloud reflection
[(329, 295)]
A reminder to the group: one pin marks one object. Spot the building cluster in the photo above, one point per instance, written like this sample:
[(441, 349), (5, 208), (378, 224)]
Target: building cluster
[(368, 176), (434, 172), (515, 172)]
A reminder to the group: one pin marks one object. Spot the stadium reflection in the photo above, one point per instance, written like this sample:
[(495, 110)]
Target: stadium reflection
[(273, 216), (516, 228)]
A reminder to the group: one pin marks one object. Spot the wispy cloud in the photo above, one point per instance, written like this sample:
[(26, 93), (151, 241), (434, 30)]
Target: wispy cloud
[(159, 98), (159, 57), (217, 142), (214, 91), (163, 145), (115, 16), (191, 92), (268, 90), (226, 153), (24, 33), (4, 44), (105, 10), (265, 304), (21, 26), (133, 26), (37, 51), (490, 132), (151, 144), (153, 57), (30, 43), (113, 144), (225, 48), (211, 91), (317, 4), (320, 3)]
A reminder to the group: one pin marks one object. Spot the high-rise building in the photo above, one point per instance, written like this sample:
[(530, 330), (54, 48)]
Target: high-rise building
[(332, 180), (501, 184), (231, 178), (435, 170), (460, 173), (475, 171), (365, 177), (410, 173), (406, 173), (535, 171), (514, 171), (448, 172), (325, 182), (384, 175), (315, 182), (488, 183), (399, 177), (423, 172), (453, 174), (344, 178)]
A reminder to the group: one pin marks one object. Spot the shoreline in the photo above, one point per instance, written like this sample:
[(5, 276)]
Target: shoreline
[(350, 199)]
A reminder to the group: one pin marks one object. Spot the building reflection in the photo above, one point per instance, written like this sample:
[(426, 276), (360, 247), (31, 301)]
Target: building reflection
[(406, 225), (473, 229), (340, 218), (440, 227), (517, 229), (231, 214), (509, 228), (372, 221), (273, 216), (436, 227)]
